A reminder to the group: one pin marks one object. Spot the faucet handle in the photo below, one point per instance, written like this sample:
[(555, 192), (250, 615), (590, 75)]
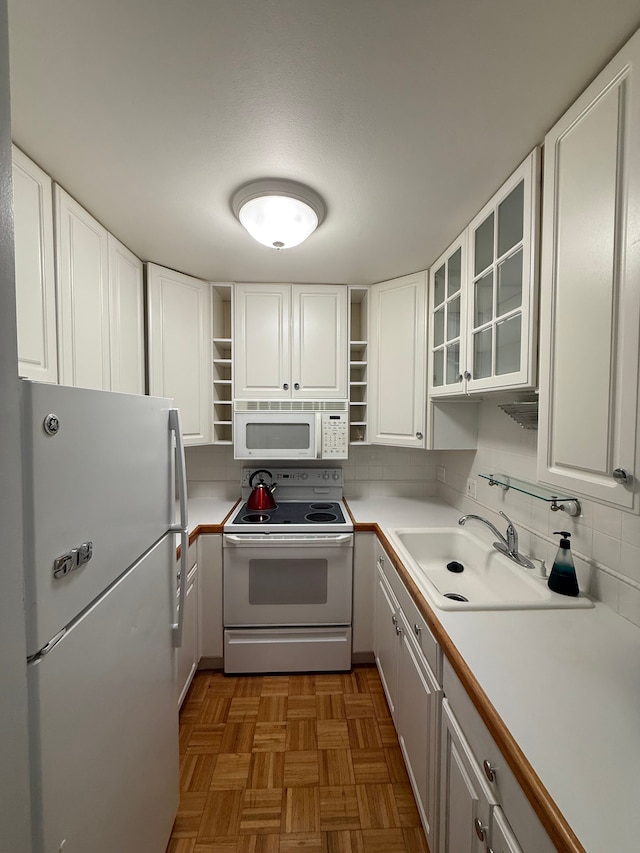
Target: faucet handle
[(505, 516)]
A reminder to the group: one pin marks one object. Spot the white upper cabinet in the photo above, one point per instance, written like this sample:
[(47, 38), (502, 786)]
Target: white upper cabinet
[(35, 270), (590, 297), (397, 361), (290, 341), (179, 347), (83, 295), (502, 298), (100, 303), (126, 301), (483, 300), (447, 320)]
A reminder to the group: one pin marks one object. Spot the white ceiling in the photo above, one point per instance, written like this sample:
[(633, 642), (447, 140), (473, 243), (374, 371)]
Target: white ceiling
[(405, 115)]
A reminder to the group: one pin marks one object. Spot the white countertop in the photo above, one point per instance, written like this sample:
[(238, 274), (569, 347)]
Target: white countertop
[(566, 683)]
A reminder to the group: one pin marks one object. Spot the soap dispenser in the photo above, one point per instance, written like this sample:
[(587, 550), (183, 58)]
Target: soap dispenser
[(563, 574)]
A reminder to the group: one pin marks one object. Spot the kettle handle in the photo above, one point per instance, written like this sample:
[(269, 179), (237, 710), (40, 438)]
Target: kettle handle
[(259, 471)]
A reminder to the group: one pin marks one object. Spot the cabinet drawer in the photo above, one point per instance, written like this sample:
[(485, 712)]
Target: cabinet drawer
[(503, 784), (419, 628)]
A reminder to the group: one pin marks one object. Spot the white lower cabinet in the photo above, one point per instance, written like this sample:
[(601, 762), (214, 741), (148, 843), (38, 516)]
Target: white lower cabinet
[(465, 802), (406, 656), (483, 809), (188, 655), (210, 599)]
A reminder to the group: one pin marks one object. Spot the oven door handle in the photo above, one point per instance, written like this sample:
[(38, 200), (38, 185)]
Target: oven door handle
[(274, 541)]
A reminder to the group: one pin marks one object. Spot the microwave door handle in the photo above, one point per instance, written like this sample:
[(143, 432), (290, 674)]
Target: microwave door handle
[(319, 425)]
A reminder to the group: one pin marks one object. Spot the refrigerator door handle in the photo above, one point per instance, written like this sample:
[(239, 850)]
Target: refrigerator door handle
[(175, 427), (181, 526), (180, 603)]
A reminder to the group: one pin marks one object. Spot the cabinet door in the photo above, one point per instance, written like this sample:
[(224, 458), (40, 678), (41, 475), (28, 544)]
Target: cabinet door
[(187, 654), (83, 292), (386, 639), (261, 341), (465, 805), (501, 304), (210, 598), (398, 362), (127, 319), (448, 320), (35, 270), (179, 342), (419, 698), (319, 360), (590, 299)]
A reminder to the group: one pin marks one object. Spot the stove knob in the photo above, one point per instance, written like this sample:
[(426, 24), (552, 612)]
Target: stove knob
[(304, 475), (336, 475), (325, 476)]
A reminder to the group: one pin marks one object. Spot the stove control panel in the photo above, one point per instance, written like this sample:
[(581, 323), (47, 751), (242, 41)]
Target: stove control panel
[(309, 477)]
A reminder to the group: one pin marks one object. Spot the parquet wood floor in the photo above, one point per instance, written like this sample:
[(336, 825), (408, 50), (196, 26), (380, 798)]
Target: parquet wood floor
[(293, 763)]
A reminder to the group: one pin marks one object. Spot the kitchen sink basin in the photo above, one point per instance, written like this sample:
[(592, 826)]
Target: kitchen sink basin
[(456, 570)]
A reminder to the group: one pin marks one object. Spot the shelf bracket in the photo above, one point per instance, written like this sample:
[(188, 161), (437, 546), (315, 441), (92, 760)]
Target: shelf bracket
[(572, 507)]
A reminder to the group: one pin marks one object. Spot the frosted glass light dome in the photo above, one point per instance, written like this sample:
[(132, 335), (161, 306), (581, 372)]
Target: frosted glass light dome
[(277, 213)]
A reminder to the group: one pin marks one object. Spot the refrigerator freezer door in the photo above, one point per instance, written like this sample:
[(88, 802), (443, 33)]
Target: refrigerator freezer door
[(104, 477), (104, 721)]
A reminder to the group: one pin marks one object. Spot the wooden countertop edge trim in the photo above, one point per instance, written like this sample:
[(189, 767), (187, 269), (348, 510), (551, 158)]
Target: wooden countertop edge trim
[(207, 529), (541, 801)]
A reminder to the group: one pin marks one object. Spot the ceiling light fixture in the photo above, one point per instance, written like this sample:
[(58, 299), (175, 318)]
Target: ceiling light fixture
[(278, 213)]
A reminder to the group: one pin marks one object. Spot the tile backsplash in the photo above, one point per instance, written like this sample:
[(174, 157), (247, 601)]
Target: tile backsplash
[(605, 541), (213, 472)]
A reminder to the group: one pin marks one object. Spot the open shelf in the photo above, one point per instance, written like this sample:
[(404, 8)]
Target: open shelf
[(222, 302), (358, 356)]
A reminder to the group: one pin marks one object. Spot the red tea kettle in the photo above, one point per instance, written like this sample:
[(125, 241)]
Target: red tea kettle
[(261, 498)]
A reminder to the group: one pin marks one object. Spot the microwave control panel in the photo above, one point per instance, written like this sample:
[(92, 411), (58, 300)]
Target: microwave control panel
[(335, 435)]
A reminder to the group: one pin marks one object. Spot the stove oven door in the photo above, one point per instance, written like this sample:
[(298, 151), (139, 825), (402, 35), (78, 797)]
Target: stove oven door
[(280, 580)]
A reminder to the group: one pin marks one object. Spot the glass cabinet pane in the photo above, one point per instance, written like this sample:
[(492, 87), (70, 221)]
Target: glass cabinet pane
[(454, 268), (483, 245), (508, 337), (483, 300), (482, 353), (438, 327), (453, 363), (438, 367), (510, 219), (509, 284), (453, 319), (438, 288)]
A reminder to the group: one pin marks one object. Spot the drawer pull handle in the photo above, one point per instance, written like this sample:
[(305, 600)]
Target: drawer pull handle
[(398, 630), (489, 770), (480, 828), (394, 619), (417, 629)]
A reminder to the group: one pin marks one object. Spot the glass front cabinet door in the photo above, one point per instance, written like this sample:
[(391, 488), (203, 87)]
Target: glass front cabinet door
[(483, 295), (502, 291), (447, 296)]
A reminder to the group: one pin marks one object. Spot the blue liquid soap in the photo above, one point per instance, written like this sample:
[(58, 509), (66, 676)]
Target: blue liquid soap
[(563, 574)]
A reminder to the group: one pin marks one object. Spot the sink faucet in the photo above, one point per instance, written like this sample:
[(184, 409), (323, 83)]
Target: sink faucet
[(508, 545)]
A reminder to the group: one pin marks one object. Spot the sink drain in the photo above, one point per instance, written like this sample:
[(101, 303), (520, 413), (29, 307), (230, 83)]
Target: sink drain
[(455, 566), (455, 596)]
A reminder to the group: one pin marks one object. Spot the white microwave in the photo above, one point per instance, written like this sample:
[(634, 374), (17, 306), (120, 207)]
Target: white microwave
[(290, 429)]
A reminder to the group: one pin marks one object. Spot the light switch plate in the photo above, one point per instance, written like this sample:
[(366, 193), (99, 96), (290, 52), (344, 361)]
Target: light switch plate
[(471, 488)]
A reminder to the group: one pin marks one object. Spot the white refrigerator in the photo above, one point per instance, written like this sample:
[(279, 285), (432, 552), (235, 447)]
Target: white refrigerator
[(103, 618)]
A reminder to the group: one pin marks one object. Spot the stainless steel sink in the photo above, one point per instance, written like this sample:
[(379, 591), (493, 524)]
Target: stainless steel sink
[(488, 580)]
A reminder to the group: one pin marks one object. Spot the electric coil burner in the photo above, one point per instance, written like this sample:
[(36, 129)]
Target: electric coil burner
[(288, 576)]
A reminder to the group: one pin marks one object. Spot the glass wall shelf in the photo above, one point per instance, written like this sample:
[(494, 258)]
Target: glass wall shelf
[(557, 500)]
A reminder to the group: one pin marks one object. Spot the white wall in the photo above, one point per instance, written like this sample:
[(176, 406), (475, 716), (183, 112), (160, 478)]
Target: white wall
[(605, 541), (14, 789)]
